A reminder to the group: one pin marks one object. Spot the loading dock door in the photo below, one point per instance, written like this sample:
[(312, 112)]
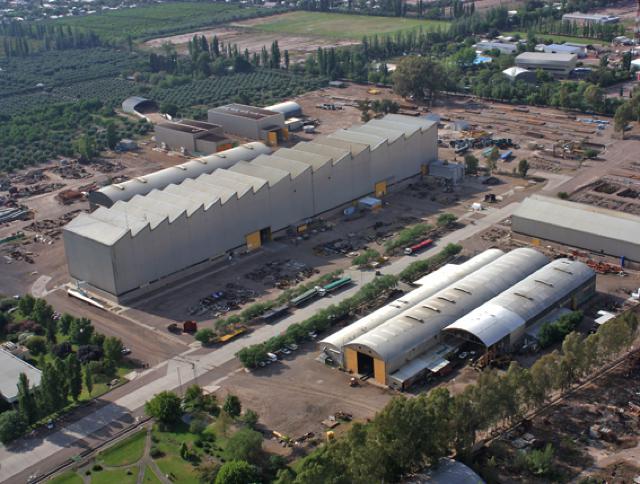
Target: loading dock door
[(381, 189), (365, 364), (254, 240), (265, 235)]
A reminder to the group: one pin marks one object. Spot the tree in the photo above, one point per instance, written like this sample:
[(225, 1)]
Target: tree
[(112, 136), (418, 77), (164, 407), (88, 378), (25, 305), (492, 159), (237, 472), (86, 148), (232, 406), (446, 220), (523, 167), (80, 331), (74, 376), (205, 336), (622, 116), (207, 471), (471, 164), (64, 324), (169, 108), (113, 349), (26, 401), (12, 426), (245, 444)]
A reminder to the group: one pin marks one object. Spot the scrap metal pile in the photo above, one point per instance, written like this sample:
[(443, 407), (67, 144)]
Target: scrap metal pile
[(281, 274)]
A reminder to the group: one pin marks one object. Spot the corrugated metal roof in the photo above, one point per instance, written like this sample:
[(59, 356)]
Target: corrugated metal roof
[(545, 58), (524, 302), (396, 339), (12, 366), (208, 180), (580, 217), (177, 174), (430, 285)]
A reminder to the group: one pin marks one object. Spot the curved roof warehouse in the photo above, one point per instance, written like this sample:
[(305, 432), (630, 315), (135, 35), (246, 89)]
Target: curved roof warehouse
[(429, 285), (390, 346), (502, 321)]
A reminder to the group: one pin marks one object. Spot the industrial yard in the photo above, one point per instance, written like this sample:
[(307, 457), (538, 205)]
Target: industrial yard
[(565, 153)]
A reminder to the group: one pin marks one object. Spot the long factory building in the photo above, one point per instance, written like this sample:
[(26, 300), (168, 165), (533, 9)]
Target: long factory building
[(153, 238), (490, 303), (596, 229)]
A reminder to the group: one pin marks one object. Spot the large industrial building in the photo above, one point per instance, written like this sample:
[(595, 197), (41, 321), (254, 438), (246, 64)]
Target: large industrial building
[(149, 239), (428, 285), (404, 346), (192, 136), (250, 122), (491, 301), (558, 65), (174, 175), (502, 322), (594, 228)]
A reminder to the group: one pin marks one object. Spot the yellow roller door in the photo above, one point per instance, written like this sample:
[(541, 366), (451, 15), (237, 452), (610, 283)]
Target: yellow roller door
[(253, 240), (381, 189), (351, 360), (273, 138), (379, 371)]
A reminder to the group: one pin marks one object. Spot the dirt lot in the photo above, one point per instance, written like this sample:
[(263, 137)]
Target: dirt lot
[(297, 45), (594, 433), (309, 391)]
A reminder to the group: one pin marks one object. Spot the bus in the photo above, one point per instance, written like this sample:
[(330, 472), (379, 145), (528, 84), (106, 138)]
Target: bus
[(335, 285)]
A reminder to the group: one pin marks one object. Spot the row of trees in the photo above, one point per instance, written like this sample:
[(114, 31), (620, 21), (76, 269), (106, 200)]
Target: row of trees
[(627, 111), (410, 433), (19, 39), (65, 372), (250, 356)]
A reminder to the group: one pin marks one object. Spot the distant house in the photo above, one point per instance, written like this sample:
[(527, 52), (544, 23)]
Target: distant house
[(590, 18), (503, 47), (519, 74)]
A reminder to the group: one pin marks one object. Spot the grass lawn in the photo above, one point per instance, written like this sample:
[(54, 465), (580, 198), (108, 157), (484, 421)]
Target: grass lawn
[(119, 476), (171, 463), (126, 452), (342, 26), (150, 476), (69, 477), (559, 38)]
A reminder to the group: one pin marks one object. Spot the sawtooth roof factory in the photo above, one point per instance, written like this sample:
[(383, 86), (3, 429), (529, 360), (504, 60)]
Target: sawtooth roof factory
[(490, 301), (155, 235)]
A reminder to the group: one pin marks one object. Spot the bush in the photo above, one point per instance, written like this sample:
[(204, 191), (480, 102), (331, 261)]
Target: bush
[(417, 269), (37, 345), (367, 256), (205, 336), (446, 220), (407, 236), (61, 350), (96, 468), (87, 353), (563, 195), (155, 452), (555, 332)]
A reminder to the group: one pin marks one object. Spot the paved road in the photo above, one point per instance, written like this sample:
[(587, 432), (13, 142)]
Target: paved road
[(188, 366)]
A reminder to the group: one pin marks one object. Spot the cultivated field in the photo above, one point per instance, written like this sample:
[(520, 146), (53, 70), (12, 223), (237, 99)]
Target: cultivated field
[(337, 26), (160, 19)]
